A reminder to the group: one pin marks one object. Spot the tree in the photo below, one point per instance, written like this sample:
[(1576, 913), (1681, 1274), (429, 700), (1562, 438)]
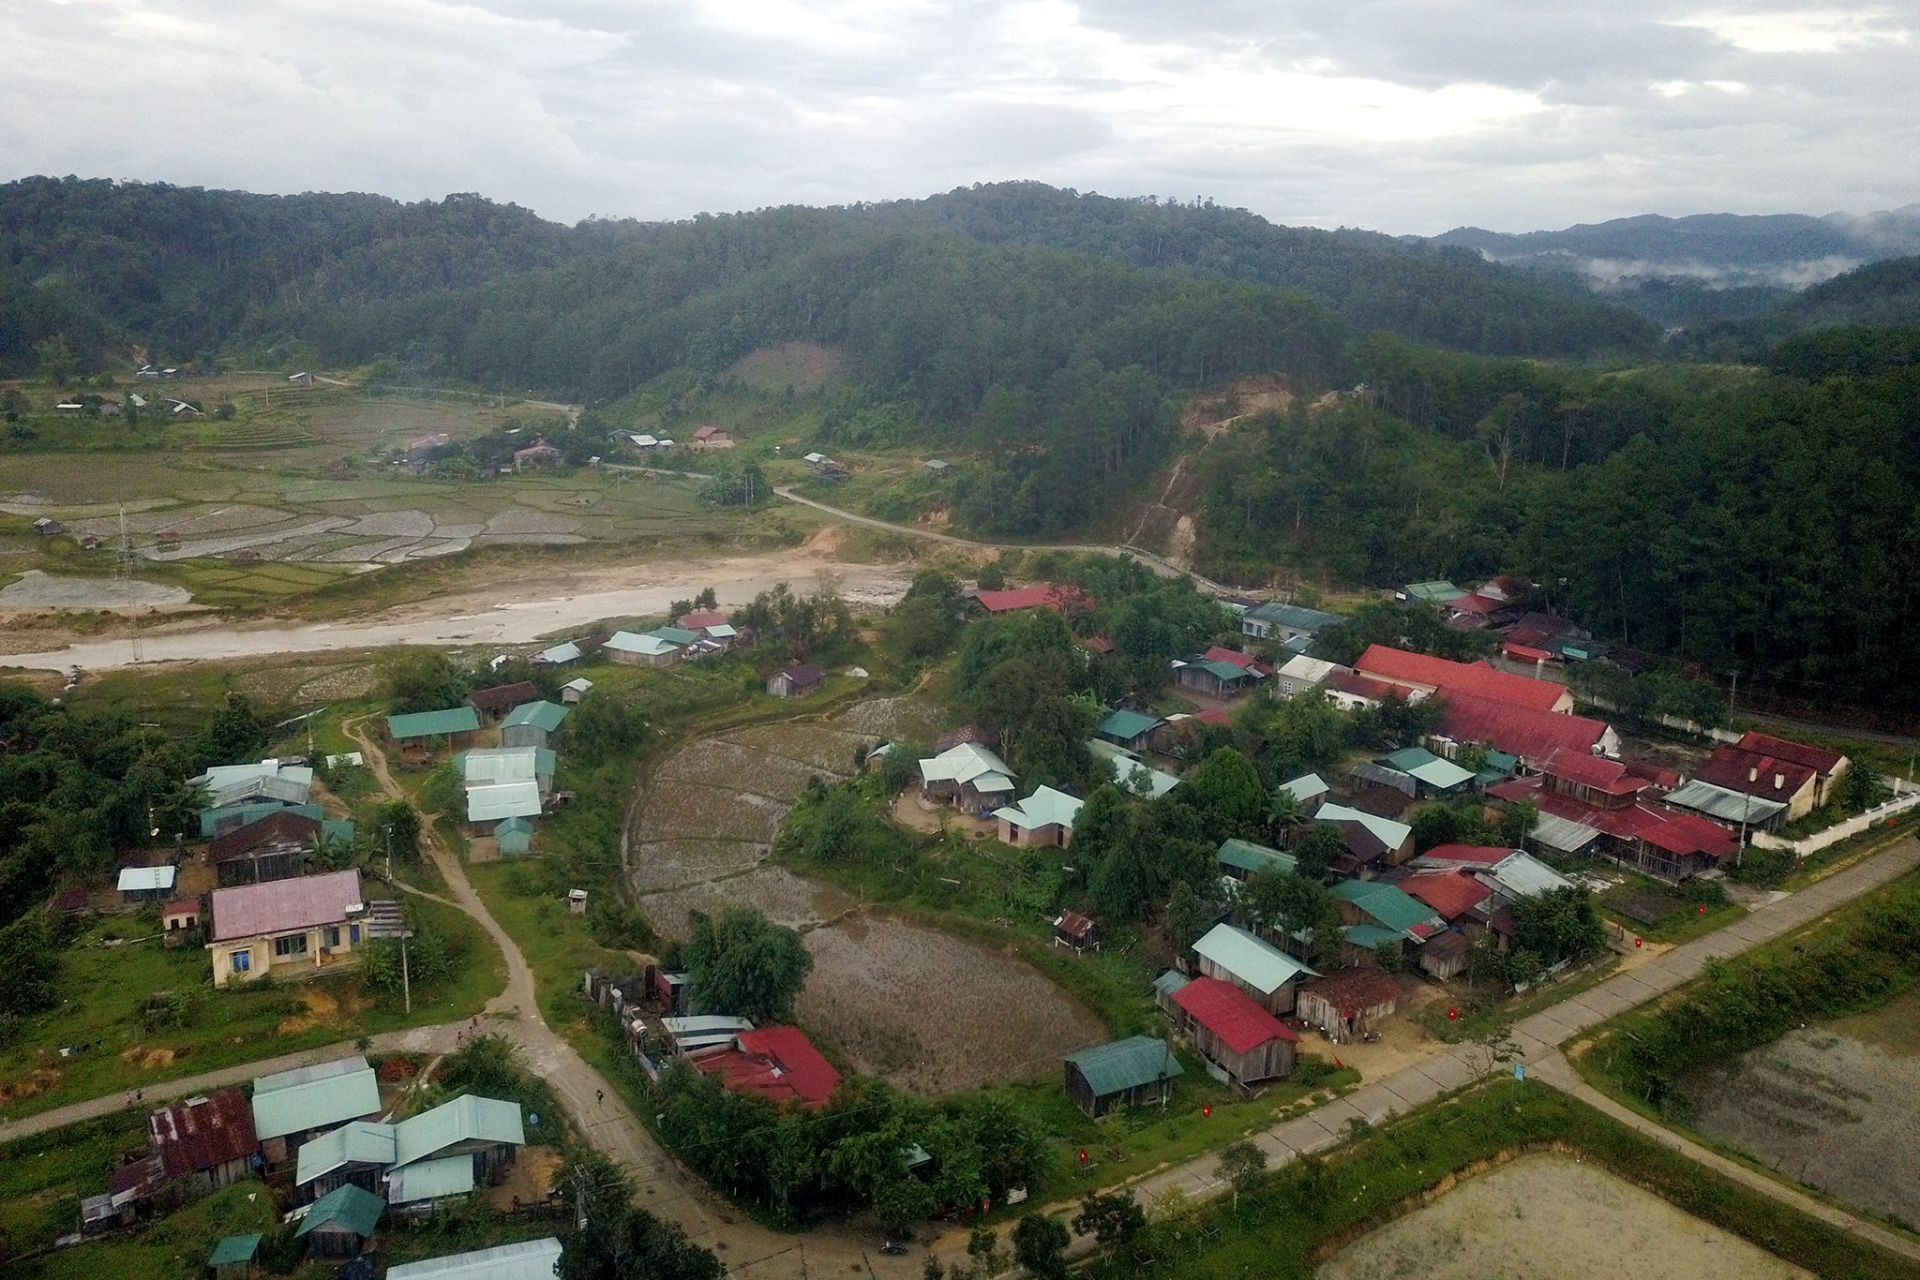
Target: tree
[(1285, 815), (1242, 1165), (398, 826), (1110, 1219), (1315, 854), (235, 734), (741, 962), (1560, 924), (1859, 789), (32, 963), (425, 680), (56, 361), (1226, 789), (1040, 1245), (1516, 823), (1185, 917)]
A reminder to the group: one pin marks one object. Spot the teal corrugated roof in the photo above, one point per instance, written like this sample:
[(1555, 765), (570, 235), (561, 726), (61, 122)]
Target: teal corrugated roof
[(1263, 967), (315, 1104), (1250, 857), (1225, 671), (355, 1209), (1127, 725), (1390, 905), (360, 1142), (466, 1119), (433, 724), (431, 1179), (251, 812), (541, 715), (515, 836), (1429, 768), (1126, 1064), (1371, 935), (674, 635), (1294, 615), (234, 1249), (527, 1260), (1170, 981)]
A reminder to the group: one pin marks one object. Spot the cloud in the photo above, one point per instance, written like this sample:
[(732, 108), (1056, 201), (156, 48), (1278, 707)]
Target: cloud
[(1407, 115)]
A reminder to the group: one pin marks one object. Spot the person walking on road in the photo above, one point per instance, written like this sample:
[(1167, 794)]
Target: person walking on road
[(600, 1096)]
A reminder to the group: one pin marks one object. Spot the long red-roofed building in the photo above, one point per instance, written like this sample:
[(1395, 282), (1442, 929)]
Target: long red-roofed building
[(1790, 773), (775, 1062), (1040, 595), (1531, 736), (1427, 674), (1242, 1043)]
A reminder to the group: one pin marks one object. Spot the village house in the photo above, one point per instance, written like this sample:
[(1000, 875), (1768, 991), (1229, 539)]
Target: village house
[(968, 776), (420, 733), (1130, 773), (712, 436), (145, 884), (491, 766), (357, 1152), (179, 918), (640, 650), (1766, 772), (494, 704), (1369, 837), (1045, 595), (574, 690), (1378, 914), (341, 1223), (1215, 678), (1267, 974), (1530, 736), (1301, 673), (1130, 730), (1138, 1071), (531, 724), (1286, 623), (1438, 592), (210, 1141), (539, 454), (526, 1260), (1243, 859), (1433, 776), (229, 786), (559, 655), (47, 527), (1242, 1043), (1727, 807), (276, 846), (235, 1257), (1417, 672), (292, 1107), (1349, 1002), (1587, 805), (1043, 820), (796, 681), (290, 928), (778, 1063)]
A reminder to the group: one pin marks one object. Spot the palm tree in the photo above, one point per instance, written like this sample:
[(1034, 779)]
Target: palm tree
[(1285, 815)]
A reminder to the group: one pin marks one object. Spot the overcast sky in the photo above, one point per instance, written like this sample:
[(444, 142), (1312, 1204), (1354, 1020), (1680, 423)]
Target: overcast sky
[(1401, 115)]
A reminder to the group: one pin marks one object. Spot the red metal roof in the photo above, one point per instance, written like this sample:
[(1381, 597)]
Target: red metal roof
[(1362, 686), (1818, 759), (776, 1062), (709, 431), (1073, 924), (1475, 854), (1418, 669), (1664, 828), (1099, 644), (1233, 657), (283, 825), (1231, 1014), (1753, 773), (1525, 652), (1522, 731), (700, 621), (503, 697), (203, 1133), (1659, 775), (1475, 603), (1591, 771), (181, 907), (1214, 715), (1451, 893), (281, 906), (1046, 593)]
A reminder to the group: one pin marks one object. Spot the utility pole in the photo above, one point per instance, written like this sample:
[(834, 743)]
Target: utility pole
[(406, 972)]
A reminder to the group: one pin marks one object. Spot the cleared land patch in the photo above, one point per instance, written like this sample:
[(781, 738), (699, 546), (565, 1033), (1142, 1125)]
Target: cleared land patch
[(709, 812), (931, 1012), (824, 750), (784, 898), (669, 864), (1548, 1217), (742, 769)]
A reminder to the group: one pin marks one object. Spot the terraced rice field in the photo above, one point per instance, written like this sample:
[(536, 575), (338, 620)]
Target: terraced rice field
[(783, 897)]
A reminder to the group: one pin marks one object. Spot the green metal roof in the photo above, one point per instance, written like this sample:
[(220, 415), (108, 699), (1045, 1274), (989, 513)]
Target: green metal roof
[(674, 635), (1128, 725), (1251, 857), (1125, 1064), (515, 835), (1386, 903), (433, 724), (1441, 591), (359, 1142), (467, 1118), (347, 1205), (526, 1260), (1044, 808), (314, 1104), (251, 812), (1429, 768), (1370, 935), (1225, 671), (1262, 967), (431, 1179), (1294, 615), (1499, 765), (541, 715), (1170, 981), (234, 1249)]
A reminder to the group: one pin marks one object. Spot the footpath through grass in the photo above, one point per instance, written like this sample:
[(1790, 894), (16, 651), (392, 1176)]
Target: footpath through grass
[(1302, 1213)]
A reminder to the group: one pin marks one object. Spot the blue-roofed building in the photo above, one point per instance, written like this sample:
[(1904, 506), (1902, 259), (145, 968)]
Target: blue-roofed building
[(1285, 622), (526, 1260)]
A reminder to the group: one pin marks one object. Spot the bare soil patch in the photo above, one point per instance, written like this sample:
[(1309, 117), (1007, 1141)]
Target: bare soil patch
[(804, 366), (783, 897), (38, 590), (821, 749), (901, 719), (1548, 1217), (1828, 1109), (931, 1012), (743, 769)]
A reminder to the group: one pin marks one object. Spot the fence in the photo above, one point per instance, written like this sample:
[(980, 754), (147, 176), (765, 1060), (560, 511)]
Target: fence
[(1840, 830)]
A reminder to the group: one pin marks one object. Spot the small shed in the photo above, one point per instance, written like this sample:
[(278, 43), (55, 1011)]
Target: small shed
[(1445, 956), (939, 466), (1071, 929), (577, 901), (573, 690), (1137, 1071), (1130, 729), (47, 527), (145, 884), (1164, 988), (1351, 1000), (795, 681), (235, 1258), (341, 1222), (179, 917), (530, 724), (515, 837)]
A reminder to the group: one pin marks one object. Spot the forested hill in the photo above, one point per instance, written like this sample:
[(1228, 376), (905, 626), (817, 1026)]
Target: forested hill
[(192, 271), (1427, 291), (1880, 293)]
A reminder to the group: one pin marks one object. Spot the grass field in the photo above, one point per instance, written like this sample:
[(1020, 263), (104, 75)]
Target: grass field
[(176, 1248), (103, 991)]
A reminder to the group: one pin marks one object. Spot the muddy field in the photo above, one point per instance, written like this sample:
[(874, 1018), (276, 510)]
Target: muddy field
[(933, 1013), (819, 747), (1831, 1106), (669, 864), (783, 897), (1547, 1217), (683, 809), (742, 768)]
